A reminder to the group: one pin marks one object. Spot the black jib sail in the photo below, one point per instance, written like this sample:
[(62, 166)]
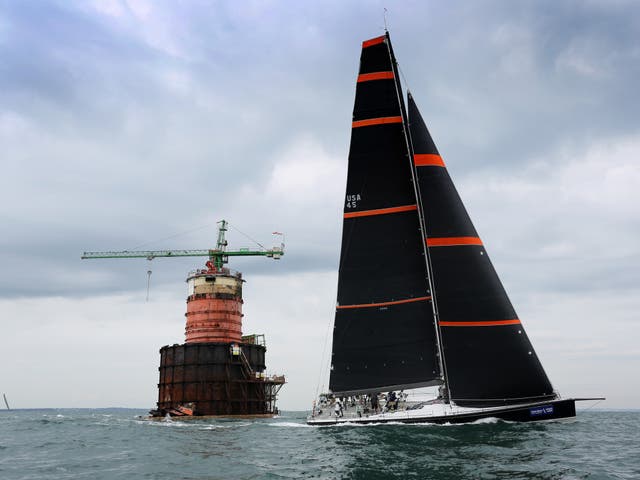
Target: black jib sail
[(384, 333), (488, 358)]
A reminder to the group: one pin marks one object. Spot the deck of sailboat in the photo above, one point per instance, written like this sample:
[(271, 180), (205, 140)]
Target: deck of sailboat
[(436, 411)]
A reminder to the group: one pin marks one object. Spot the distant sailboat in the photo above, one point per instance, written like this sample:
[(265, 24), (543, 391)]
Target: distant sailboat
[(419, 302), (5, 401)]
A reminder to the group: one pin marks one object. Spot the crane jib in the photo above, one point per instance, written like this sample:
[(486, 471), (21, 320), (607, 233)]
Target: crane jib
[(274, 252), (218, 256)]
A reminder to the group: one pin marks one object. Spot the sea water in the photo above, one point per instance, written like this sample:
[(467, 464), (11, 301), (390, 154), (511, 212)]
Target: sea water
[(122, 444)]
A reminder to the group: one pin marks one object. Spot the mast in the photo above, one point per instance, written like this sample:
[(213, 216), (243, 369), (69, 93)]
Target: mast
[(422, 222)]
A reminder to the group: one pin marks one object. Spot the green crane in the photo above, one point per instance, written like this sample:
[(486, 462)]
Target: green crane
[(218, 257)]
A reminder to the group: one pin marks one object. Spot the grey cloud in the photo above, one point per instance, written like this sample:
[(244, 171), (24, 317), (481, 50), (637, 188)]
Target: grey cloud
[(133, 138), (121, 129)]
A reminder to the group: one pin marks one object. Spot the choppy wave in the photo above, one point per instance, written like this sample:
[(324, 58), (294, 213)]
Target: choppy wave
[(120, 444), (290, 425)]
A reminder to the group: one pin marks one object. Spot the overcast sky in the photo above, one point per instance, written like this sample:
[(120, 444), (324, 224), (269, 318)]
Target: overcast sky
[(137, 124)]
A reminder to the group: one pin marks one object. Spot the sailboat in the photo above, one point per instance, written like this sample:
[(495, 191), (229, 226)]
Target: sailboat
[(419, 302)]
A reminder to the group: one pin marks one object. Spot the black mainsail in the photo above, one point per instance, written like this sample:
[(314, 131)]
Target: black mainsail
[(405, 228), (384, 335)]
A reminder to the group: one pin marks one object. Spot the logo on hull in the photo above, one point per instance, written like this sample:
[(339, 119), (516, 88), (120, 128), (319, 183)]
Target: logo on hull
[(541, 411)]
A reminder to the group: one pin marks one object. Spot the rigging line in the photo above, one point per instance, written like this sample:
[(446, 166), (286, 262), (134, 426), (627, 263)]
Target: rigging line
[(242, 233), (593, 405), (172, 236), (404, 79), (325, 361), (322, 359)]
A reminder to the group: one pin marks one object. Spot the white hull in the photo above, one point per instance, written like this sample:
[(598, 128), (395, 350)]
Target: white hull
[(449, 413)]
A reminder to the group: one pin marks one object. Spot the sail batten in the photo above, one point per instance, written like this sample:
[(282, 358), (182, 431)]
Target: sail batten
[(381, 211), (428, 160), (374, 41), (376, 121), (368, 77), (481, 323), (385, 304), (452, 241)]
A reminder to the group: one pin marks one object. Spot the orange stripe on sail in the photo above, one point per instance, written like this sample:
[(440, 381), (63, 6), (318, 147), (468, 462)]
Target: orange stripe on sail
[(383, 304), (381, 211), (374, 41), (453, 241), (428, 160), (365, 77), (376, 121), (490, 323)]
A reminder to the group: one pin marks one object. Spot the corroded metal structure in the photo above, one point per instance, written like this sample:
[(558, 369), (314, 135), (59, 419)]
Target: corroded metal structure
[(217, 379), (214, 306)]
